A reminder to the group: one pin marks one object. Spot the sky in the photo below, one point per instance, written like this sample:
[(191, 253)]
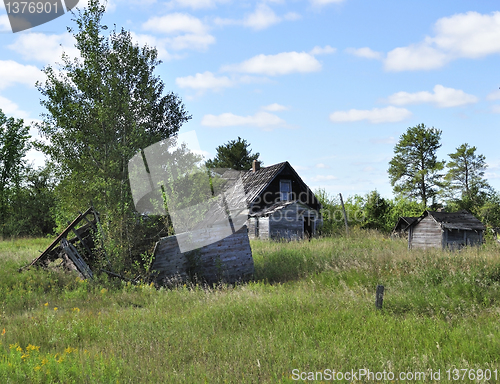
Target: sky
[(327, 85)]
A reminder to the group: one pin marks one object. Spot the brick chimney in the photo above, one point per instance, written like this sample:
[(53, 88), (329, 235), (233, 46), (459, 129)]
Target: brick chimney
[(255, 166)]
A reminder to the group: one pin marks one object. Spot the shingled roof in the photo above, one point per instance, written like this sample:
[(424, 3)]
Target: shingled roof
[(462, 220), (255, 182)]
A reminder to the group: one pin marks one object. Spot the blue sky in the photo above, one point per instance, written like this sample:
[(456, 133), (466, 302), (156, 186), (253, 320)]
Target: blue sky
[(329, 85)]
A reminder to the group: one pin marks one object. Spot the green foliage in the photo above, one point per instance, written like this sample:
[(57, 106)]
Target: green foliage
[(377, 212), (235, 154), (413, 171), (465, 178), (32, 204), (14, 143), (103, 108)]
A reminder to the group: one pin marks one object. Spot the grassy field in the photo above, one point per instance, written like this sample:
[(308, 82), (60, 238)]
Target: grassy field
[(310, 309)]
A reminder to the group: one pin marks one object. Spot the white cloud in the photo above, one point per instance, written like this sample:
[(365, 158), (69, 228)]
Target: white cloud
[(174, 23), (196, 42), (495, 109), (204, 81), (275, 107), (495, 95), (189, 32), (466, 35), (12, 73), (322, 50), (4, 23), (264, 120), (262, 18), (322, 166), (196, 4), (365, 52), (280, 64), (376, 115), (442, 97), (325, 2), (11, 109), (415, 57), (44, 48)]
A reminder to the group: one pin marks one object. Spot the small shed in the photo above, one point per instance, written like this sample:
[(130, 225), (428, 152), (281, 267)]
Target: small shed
[(401, 228), (445, 230)]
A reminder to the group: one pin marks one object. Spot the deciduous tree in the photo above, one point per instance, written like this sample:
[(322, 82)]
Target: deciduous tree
[(102, 108)]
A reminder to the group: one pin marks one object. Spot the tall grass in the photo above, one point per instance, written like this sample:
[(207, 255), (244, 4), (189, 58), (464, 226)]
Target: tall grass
[(311, 307)]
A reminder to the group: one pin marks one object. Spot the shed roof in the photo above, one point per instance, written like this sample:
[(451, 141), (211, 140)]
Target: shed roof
[(404, 222), (462, 220)]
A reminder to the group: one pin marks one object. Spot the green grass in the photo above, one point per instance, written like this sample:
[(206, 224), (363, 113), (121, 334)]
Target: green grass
[(311, 308)]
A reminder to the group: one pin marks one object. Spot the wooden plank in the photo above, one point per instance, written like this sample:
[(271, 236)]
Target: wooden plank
[(60, 237)]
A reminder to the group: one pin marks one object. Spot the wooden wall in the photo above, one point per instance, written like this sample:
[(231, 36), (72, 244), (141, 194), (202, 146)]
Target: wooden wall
[(286, 224), (426, 234), (228, 260)]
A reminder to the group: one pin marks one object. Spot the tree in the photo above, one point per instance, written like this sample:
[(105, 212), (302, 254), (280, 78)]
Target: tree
[(465, 177), (377, 210), (102, 108), (235, 154), (413, 171), (14, 143)]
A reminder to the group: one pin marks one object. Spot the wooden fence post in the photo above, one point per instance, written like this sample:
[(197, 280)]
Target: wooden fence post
[(379, 297)]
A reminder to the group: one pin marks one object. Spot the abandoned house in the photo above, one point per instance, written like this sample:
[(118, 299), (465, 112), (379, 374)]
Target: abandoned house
[(401, 228), (445, 230), (281, 205)]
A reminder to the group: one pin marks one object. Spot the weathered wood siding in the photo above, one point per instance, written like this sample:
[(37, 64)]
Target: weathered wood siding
[(286, 224), (229, 259), (426, 234)]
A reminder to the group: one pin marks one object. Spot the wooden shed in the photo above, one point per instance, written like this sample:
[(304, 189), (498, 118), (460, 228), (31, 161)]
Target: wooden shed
[(402, 226), (445, 230)]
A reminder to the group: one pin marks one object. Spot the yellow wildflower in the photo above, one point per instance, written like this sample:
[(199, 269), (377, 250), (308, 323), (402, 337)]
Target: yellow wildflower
[(69, 350), (45, 361), (76, 309), (46, 304), (3, 332), (32, 348), (37, 368), (55, 308), (104, 290)]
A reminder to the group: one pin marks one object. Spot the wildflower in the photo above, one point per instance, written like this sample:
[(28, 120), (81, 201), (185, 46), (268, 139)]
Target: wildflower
[(69, 350), (37, 368), (32, 348), (55, 308), (76, 309), (104, 290), (3, 332), (45, 361), (46, 304)]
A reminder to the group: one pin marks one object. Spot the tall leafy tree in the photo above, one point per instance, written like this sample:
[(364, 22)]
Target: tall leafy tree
[(102, 108), (235, 154), (14, 143), (414, 170), (465, 177)]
